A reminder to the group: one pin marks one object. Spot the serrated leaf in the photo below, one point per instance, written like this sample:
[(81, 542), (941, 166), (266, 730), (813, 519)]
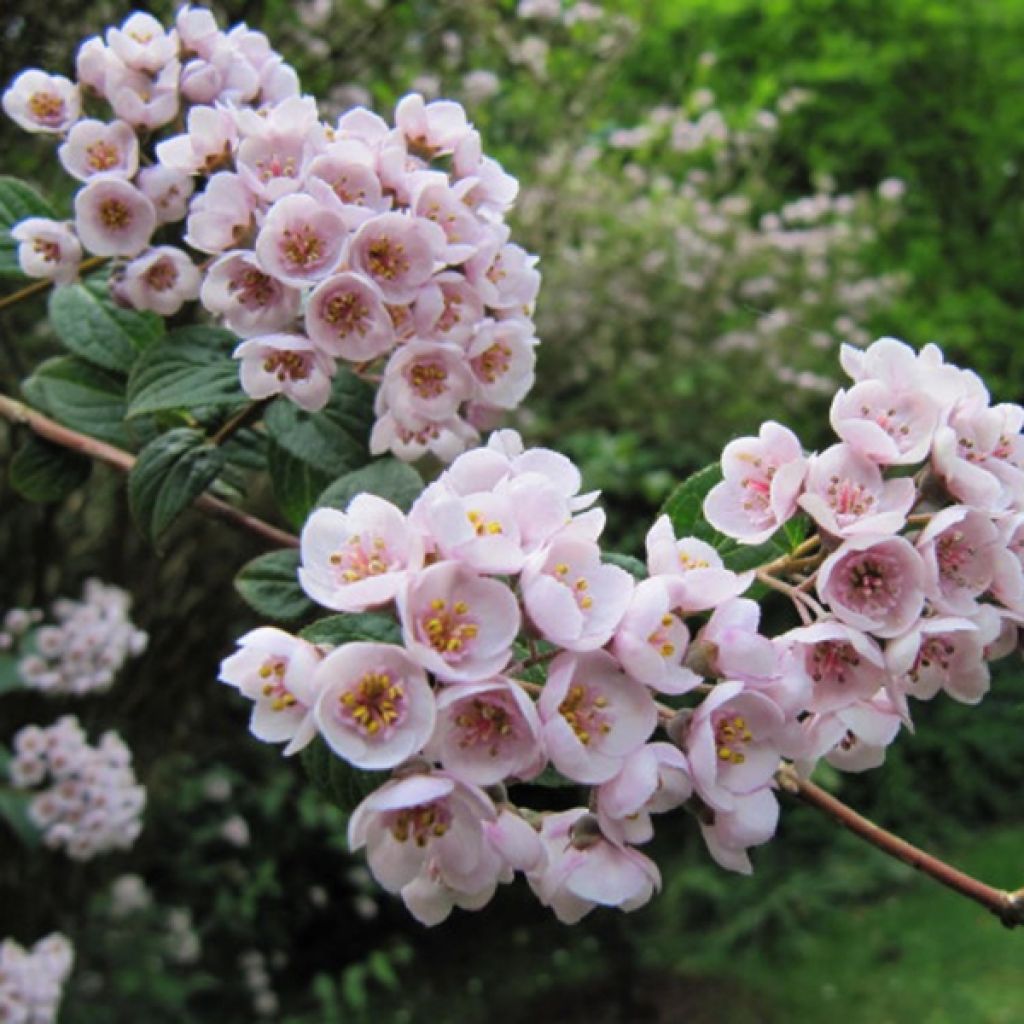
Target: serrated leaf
[(93, 326), (171, 472), (334, 440), (388, 478), (41, 471), (296, 484), (80, 396), (269, 584), (189, 368), (18, 201), (632, 565), (14, 811), (346, 629), (342, 784)]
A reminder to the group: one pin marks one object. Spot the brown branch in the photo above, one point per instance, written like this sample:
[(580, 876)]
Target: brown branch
[(1007, 906), (248, 415), (50, 430), (41, 286)]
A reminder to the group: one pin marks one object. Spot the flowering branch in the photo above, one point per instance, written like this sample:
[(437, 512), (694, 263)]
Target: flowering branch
[(50, 430), (1007, 906), (43, 285)]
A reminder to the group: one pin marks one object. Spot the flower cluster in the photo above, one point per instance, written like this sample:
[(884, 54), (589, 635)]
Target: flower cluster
[(86, 647), (31, 980), (380, 245), (91, 802), (518, 648)]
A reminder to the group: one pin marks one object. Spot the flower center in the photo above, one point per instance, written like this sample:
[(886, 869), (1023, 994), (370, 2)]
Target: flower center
[(659, 638), (276, 167), (287, 365), (115, 214), (272, 672), (449, 627), (347, 313), (421, 823), (481, 525), (101, 156), (485, 722), (585, 713), (579, 586), (493, 363), (354, 562), (50, 251), (47, 107), (374, 703), (255, 289), (954, 556), (732, 733), (386, 259), (302, 247), (428, 380), (848, 498), (162, 276), (935, 652), (831, 660)]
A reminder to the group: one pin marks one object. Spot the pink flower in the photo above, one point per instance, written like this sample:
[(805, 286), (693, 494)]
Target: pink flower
[(732, 741), (347, 168), (448, 308), (874, 583), (694, 571), (208, 144), (161, 279), (504, 273), (273, 164), (1008, 578), (882, 423), (168, 190), (846, 496), (113, 218), (250, 301), (374, 706), (650, 642), (732, 646), (855, 738), (573, 599), (220, 216), (346, 317), (276, 670), (751, 821), (502, 356), (653, 779), (960, 549), (594, 716), (431, 128), (93, 147), (142, 43), (487, 732), (583, 869), (458, 625), (47, 249), (286, 364), (425, 379), (42, 103), (301, 240), (397, 252), (433, 822), (842, 665), (446, 207), (980, 456), (945, 654), (359, 558), (412, 437), (139, 99), (762, 478)]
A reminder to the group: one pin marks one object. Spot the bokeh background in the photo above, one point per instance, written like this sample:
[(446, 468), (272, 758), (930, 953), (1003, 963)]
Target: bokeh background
[(721, 192)]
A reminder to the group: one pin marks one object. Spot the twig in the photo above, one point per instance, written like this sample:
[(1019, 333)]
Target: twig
[(50, 430), (41, 286), (248, 415), (1007, 906)]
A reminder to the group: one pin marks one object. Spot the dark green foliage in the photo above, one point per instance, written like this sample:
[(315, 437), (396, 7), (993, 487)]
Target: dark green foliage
[(41, 471), (18, 200), (388, 478), (269, 585)]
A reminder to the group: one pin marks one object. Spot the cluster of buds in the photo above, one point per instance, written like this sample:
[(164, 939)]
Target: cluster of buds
[(917, 567), (91, 802), (31, 980), (380, 245), (86, 647)]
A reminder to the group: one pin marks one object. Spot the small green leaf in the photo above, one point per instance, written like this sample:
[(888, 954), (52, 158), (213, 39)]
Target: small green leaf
[(632, 565), (297, 484), (94, 327), (41, 471), (342, 784), (171, 472), (269, 585), (18, 201), (189, 368), (80, 396), (796, 531), (388, 478), (14, 810), (333, 440), (551, 779), (346, 629), (10, 679)]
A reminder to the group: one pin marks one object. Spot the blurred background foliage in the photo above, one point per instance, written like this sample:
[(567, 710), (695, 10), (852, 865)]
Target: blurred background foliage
[(721, 191)]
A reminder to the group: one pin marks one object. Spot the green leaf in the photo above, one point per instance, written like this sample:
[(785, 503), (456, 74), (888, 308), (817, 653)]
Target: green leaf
[(296, 484), (10, 679), (342, 784), (632, 565), (346, 629), (18, 201), (94, 327), (269, 585), (14, 810), (795, 531), (171, 472), (551, 779), (80, 396), (41, 471), (333, 440), (388, 478), (189, 368), (685, 507)]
